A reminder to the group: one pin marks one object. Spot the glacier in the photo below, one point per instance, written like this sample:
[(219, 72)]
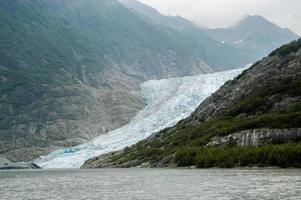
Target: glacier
[(167, 102)]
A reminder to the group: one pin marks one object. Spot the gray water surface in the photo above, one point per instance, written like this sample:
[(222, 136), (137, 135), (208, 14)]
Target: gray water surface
[(151, 184)]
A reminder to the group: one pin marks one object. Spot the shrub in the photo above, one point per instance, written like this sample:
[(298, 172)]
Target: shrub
[(205, 159), (186, 157), (248, 105), (284, 155), (224, 159), (294, 46), (295, 107)]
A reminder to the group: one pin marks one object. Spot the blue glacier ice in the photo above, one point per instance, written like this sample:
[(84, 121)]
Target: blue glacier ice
[(167, 102)]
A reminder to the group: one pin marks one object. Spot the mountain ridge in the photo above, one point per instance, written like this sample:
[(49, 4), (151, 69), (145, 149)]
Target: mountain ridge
[(212, 47), (254, 36)]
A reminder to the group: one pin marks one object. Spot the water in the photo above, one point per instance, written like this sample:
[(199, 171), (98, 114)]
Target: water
[(151, 184)]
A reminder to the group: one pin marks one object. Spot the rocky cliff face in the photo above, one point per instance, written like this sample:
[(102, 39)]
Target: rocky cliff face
[(271, 72), (257, 137), (35, 122), (260, 106)]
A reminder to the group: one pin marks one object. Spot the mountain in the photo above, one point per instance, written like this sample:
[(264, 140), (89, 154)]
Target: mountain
[(252, 120), (218, 54), (254, 34), (68, 70), (175, 22)]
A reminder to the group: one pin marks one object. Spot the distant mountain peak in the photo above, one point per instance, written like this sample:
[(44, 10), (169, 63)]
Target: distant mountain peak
[(258, 17), (255, 20), (254, 34)]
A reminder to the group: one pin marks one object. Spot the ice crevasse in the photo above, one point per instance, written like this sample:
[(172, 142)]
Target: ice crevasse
[(167, 102)]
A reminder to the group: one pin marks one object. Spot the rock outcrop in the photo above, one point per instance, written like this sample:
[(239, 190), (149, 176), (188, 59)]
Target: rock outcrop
[(6, 164), (272, 71), (257, 137)]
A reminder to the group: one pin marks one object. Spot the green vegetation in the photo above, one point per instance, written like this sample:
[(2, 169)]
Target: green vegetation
[(247, 106), (284, 155), (191, 138), (251, 112), (292, 47)]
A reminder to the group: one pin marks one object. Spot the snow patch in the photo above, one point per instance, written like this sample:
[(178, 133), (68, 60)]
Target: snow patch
[(239, 41)]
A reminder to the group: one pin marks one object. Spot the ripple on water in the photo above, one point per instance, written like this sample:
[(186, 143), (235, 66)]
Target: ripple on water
[(151, 184)]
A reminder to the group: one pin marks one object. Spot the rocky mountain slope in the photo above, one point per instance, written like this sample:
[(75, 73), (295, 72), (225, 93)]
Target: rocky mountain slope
[(259, 107), (68, 69), (255, 35)]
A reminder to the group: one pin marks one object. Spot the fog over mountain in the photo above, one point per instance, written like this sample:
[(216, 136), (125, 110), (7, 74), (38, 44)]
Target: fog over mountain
[(217, 13), (254, 35)]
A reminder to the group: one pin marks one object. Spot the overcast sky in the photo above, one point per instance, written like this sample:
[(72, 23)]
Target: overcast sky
[(221, 13)]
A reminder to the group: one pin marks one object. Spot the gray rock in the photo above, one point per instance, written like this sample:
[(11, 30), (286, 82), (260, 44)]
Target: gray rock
[(258, 137), (6, 164), (266, 73), (65, 116)]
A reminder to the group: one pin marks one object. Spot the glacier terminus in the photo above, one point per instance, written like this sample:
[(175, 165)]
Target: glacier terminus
[(167, 102)]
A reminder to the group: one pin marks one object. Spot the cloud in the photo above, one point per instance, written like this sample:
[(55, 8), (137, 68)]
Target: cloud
[(222, 13)]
